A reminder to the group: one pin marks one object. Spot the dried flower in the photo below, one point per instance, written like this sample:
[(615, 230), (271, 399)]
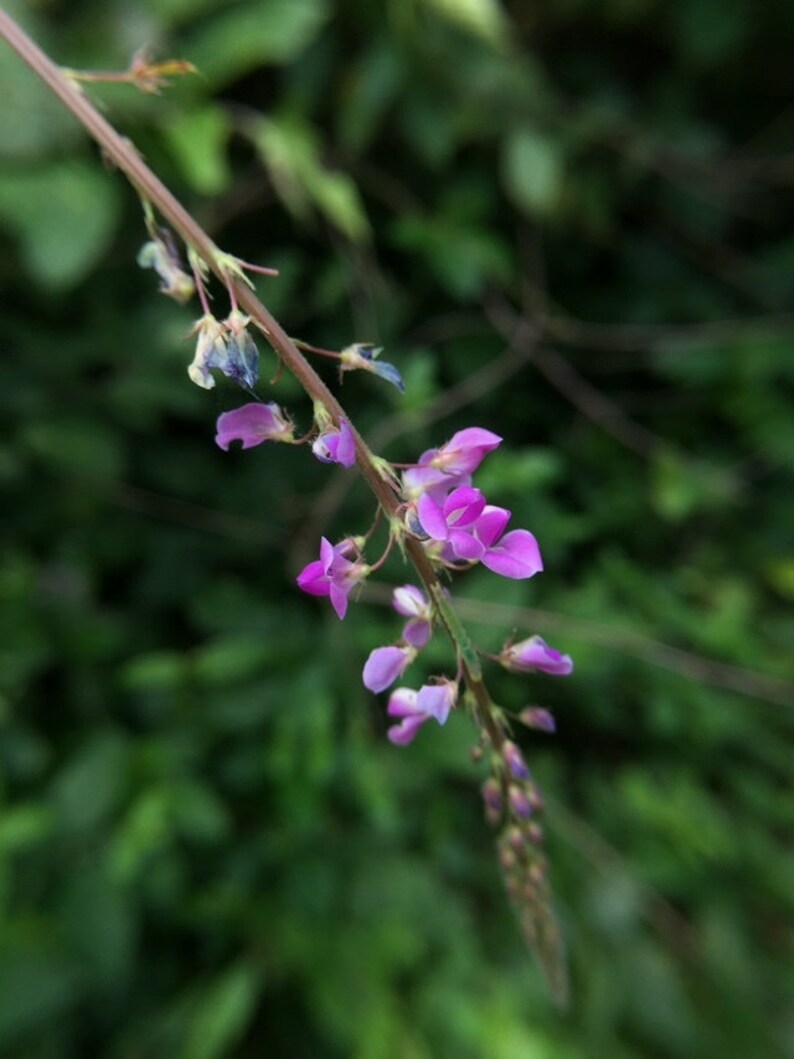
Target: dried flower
[(162, 256)]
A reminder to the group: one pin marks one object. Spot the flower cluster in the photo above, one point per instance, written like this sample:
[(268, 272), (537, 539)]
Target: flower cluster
[(457, 528)]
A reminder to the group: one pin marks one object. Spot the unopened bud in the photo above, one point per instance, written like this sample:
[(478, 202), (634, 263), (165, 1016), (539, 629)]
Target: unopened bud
[(492, 796), (539, 718), (535, 833), (515, 760), (515, 838), (519, 802)]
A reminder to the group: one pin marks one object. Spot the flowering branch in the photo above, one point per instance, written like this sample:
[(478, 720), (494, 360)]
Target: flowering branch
[(438, 519)]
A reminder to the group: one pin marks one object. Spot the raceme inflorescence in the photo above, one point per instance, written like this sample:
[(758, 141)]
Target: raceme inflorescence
[(440, 522)]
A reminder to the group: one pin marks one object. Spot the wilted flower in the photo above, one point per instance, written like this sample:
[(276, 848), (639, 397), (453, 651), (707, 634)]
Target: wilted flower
[(333, 574), (242, 356), (534, 655), (210, 351), (162, 256), (252, 424), (362, 355)]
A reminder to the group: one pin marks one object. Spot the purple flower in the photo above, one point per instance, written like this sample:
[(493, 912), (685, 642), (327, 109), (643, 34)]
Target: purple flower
[(412, 603), (252, 424), (385, 665), (534, 655), (416, 707), (333, 574), (464, 452), (336, 446)]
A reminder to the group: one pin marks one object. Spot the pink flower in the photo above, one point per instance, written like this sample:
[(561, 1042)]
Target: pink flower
[(412, 603), (333, 574), (515, 555), (336, 446), (385, 665), (448, 521), (534, 655), (252, 424), (464, 452), (418, 481), (415, 707)]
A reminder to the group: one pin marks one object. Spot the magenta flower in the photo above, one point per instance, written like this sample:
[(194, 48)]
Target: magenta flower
[(515, 555), (333, 574), (336, 446), (385, 665), (412, 603), (464, 452), (252, 424), (418, 481), (534, 655), (415, 707), (449, 520)]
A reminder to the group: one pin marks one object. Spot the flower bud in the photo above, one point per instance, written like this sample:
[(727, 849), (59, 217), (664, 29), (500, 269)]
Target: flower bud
[(514, 760), (539, 718), (519, 802)]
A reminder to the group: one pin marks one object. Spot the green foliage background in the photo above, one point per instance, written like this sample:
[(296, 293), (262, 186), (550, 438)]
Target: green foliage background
[(207, 847)]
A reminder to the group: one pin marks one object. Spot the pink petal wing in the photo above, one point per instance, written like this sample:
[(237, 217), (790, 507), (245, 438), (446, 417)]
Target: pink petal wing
[(517, 556)]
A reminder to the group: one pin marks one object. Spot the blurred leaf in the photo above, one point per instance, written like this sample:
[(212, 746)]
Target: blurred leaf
[(75, 446), (254, 34), (291, 152), (533, 171), (225, 1008), (64, 214), (198, 138), (23, 826), (485, 18)]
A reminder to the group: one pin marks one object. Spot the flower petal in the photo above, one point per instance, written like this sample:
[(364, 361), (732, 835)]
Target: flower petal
[(517, 556), (385, 665)]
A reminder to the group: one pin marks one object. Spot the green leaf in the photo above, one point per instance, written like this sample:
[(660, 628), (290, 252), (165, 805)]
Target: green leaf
[(290, 149), (64, 215), (23, 826), (75, 446), (226, 1007), (198, 140), (484, 18), (254, 34), (532, 171)]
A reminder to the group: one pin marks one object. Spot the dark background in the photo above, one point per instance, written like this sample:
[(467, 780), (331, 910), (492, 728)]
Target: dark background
[(568, 222)]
